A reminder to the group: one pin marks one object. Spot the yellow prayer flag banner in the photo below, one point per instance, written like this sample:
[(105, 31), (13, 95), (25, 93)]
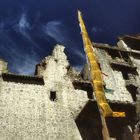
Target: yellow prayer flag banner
[(97, 81), (119, 114)]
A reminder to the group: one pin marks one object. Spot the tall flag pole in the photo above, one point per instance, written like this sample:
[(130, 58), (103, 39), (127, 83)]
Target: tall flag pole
[(97, 81)]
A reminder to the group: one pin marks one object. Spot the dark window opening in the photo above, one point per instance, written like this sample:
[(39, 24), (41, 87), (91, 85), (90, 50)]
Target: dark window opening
[(84, 86), (44, 64), (99, 65), (125, 75), (122, 56), (56, 60), (116, 125), (114, 54), (133, 91), (135, 73), (89, 122), (133, 43), (90, 126), (53, 95), (90, 94), (125, 57), (123, 67), (136, 56)]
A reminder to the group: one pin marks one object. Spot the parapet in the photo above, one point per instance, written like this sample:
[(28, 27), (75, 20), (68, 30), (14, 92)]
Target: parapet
[(58, 57)]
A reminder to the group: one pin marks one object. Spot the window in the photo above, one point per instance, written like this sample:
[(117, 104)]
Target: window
[(114, 54), (53, 95), (125, 74)]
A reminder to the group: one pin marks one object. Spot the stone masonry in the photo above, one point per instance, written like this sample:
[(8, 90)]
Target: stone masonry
[(28, 113), (46, 106)]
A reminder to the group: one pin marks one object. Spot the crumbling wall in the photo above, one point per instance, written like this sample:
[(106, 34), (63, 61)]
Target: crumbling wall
[(56, 79), (113, 79), (27, 111)]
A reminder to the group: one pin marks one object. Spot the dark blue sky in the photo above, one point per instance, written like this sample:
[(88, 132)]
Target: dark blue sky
[(29, 29)]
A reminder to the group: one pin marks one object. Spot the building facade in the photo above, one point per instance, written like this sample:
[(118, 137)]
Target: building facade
[(58, 103)]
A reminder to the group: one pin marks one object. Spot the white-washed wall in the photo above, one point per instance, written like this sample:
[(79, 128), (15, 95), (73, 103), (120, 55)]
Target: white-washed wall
[(114, 80), (27, 113)]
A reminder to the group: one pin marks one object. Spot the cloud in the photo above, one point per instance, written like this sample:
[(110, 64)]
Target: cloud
[(55, 29), (20, 61), (26, 65), (23, 60), (24, 28), (23, 23), (62, 34)]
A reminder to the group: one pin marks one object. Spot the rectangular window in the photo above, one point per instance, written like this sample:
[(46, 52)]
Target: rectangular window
[(53, 95)]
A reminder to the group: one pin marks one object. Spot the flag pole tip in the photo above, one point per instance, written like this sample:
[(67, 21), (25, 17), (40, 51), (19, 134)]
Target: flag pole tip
[(79, 12)]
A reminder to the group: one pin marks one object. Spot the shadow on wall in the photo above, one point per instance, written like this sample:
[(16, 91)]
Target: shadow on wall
[(89, 122)]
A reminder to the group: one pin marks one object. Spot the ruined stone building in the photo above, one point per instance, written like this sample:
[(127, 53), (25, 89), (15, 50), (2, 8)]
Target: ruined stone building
[(58, 103)]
